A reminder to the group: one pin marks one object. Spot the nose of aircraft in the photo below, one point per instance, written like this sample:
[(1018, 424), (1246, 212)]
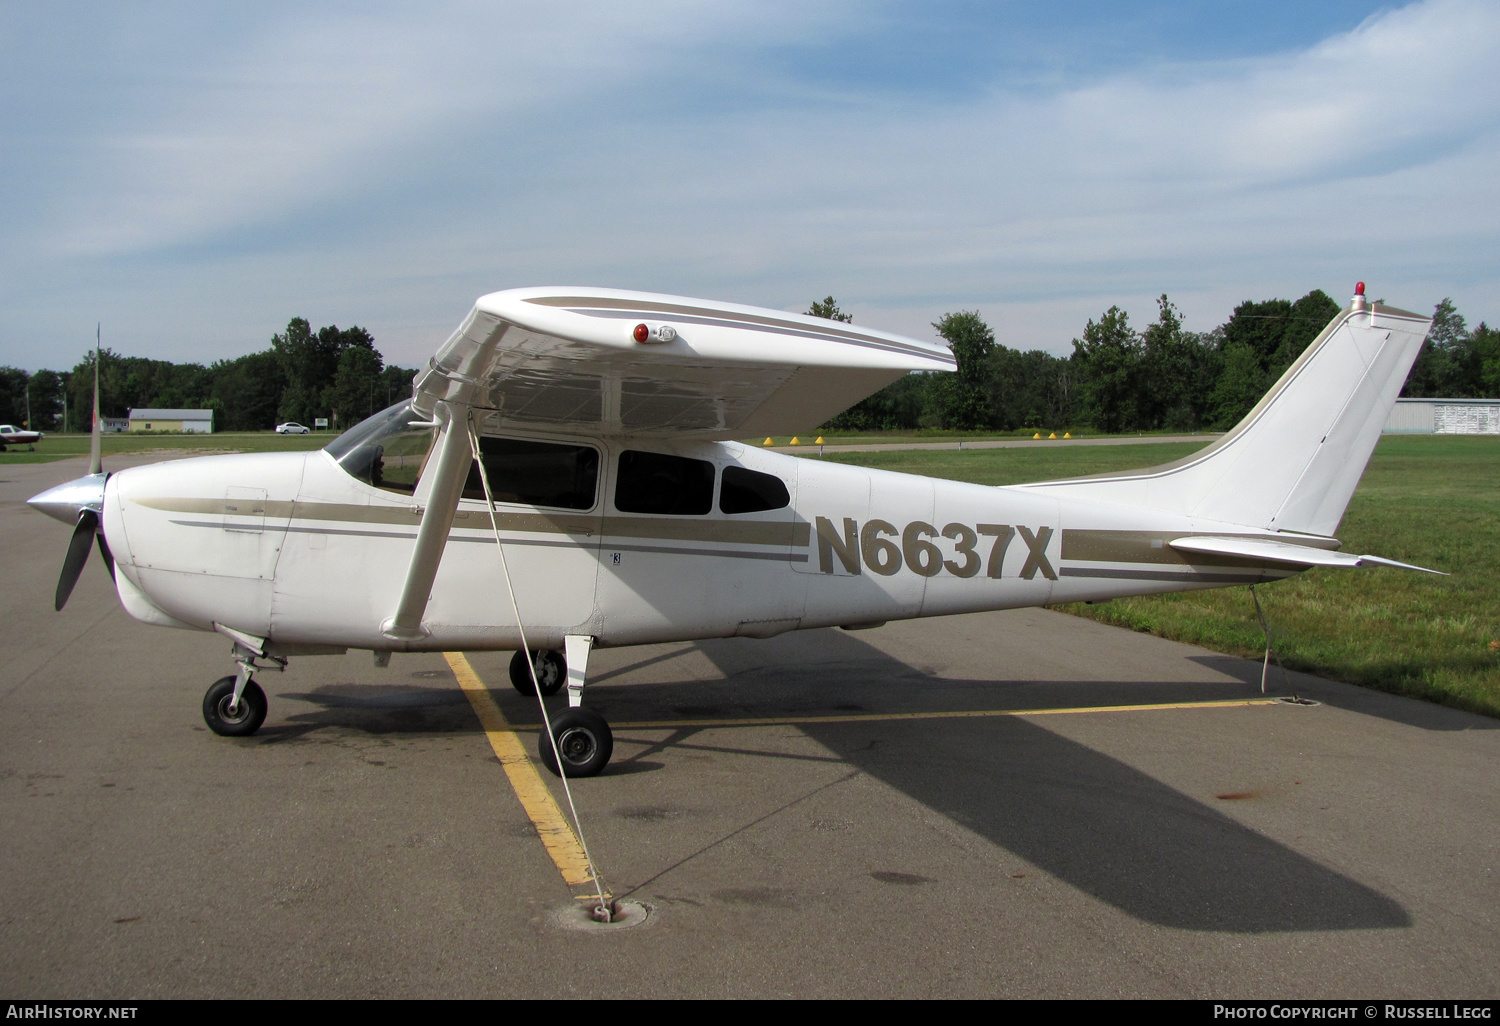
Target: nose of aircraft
[(80, 503), (67, 502)]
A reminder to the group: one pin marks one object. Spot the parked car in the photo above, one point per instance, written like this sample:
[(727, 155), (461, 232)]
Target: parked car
[(291, 427)]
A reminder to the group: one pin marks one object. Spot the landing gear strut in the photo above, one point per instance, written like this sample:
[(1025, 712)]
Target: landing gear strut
[(580, 736)]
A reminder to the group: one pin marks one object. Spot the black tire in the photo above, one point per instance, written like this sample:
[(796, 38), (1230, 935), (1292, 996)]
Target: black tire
[(584, 740), (552, 674), (245, 720)]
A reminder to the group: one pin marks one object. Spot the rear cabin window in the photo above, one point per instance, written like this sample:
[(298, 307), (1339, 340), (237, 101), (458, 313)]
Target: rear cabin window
[(536, 473), (749, 491), (651, 482)]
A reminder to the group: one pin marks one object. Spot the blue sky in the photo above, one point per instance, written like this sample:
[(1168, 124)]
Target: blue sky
[(194, 175)]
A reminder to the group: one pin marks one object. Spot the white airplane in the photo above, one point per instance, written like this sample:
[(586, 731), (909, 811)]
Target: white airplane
[(609, 506), (12, 435)]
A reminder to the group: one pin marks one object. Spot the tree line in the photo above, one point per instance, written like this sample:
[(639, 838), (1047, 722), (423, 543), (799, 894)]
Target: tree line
[(1163, 377), (1116, 379), (304, 375)]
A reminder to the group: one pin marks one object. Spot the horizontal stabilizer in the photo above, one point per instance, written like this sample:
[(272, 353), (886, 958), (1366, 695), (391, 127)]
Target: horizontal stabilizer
[(1275, 551)]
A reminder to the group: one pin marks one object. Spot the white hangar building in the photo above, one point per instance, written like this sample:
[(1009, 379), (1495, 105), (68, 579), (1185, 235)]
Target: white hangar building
[(1444, 417), (191, 421)]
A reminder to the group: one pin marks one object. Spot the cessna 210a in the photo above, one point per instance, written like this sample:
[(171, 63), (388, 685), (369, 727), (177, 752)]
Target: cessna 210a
[(564, 471)]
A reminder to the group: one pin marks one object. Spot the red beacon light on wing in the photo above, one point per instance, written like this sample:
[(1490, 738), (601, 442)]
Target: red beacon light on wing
[(663, 333)]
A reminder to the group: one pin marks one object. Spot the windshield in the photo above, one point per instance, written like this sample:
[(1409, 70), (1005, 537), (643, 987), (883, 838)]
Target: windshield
[(385, 450)]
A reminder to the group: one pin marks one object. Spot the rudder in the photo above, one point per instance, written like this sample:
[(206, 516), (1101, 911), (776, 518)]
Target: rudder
[(1293, 462)]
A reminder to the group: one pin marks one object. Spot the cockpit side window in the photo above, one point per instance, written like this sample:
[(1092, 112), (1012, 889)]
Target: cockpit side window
[(653, 482), (536, 473), (750, 491), (386, 450)]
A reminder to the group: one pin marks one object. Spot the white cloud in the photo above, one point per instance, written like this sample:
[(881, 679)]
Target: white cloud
[(313, 105), (386, 169)]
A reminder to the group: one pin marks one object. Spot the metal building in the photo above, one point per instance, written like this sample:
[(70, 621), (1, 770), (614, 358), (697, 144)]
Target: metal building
[(1444, 417)]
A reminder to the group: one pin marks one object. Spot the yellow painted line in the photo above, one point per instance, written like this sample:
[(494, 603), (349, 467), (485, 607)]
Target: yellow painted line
[(551, 825), (771, 721)]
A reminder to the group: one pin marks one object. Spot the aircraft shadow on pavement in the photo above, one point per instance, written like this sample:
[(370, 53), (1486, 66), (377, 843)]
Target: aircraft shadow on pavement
[(1093, 822), (374, 709), (1087, 819)]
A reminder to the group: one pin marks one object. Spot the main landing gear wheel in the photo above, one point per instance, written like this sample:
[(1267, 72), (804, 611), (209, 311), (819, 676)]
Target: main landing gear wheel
[(583, 739), (551, 672), (241, 721)]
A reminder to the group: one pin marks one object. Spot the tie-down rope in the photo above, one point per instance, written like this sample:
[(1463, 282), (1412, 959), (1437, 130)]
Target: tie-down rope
[(1265, 665), (603, 910)]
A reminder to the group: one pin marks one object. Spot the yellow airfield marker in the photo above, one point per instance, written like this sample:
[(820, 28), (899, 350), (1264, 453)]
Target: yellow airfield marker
[(795, 440), (551, 826), (961, 714), (766, 442), (1052, 435), (1067, 434), (819, 441), (1037, 435)]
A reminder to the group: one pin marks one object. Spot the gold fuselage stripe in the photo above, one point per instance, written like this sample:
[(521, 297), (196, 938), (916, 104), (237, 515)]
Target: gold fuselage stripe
[(741, 532), (1078, 545)]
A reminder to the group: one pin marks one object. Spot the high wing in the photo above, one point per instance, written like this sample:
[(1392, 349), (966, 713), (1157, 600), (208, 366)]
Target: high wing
[(578, 358)]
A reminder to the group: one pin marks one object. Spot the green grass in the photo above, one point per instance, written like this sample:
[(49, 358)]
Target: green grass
[(1015, 466), (61, 447), (1429, 500)]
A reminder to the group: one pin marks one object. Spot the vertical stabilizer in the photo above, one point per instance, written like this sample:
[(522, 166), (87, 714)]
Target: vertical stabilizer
[(1293, 462)]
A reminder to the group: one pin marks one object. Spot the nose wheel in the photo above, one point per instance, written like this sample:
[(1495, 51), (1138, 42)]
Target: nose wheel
[(236, 706), (229, 717)]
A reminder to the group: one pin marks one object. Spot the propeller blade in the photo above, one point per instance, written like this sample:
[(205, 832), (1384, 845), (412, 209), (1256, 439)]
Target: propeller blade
[(78, 552), (106, 555), (96, 438)]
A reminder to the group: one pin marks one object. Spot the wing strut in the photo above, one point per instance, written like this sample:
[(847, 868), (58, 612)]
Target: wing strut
[(604, 911), (449, 475)]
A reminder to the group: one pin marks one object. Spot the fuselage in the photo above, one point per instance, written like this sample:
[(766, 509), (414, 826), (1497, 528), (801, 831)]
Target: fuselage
[(12, 435), (642, 542)]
